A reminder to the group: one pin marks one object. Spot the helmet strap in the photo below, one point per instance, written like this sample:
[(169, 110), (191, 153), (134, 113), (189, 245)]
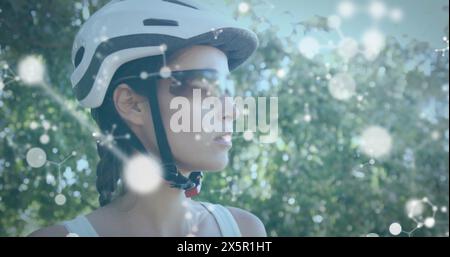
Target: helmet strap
[(192, 184)]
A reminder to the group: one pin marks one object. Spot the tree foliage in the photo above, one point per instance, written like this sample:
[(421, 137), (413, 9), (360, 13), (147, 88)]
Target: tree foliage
[(313, 181)]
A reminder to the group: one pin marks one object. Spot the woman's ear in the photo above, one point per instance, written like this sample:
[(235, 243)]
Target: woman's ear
[(129, 105)]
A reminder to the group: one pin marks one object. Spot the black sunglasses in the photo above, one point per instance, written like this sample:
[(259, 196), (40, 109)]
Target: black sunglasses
[(213, 82)]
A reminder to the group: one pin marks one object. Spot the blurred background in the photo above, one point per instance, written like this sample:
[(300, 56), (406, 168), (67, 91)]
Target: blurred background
[(363, 117)]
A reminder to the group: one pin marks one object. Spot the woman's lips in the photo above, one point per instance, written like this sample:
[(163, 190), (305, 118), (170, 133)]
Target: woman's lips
[(225, 139)]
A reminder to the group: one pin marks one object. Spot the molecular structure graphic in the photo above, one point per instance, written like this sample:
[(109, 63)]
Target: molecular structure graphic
[(7, 76), (37, 158), (373, 41), (444, 50), (109, 138), (415, 209)]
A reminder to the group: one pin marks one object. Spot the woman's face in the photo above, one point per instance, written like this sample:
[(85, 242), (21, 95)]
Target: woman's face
[(195, 150)]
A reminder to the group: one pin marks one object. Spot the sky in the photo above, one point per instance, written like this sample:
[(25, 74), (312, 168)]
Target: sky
[(424, 20)]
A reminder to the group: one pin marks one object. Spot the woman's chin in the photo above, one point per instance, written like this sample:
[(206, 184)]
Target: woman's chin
[(216, 168), (211, 164)]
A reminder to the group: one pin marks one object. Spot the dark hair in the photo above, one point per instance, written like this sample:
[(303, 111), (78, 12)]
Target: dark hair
[(109, 121)]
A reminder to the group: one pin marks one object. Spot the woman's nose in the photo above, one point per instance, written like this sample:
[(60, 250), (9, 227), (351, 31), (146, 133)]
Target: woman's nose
[(229, 109)]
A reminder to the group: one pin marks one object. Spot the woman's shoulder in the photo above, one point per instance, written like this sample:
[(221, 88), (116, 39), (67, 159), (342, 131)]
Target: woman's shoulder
[(51, 231), (59, 229), (249, 224)]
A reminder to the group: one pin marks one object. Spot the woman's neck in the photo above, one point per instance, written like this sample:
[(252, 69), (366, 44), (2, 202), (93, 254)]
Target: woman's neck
[(164, 210)]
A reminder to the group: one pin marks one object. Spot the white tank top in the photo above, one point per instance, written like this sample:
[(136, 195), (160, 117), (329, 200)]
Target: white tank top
[(80, 226)]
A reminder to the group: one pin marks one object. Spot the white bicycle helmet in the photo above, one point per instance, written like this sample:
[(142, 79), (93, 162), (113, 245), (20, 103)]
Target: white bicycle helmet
[(124, 30), (127, 30)]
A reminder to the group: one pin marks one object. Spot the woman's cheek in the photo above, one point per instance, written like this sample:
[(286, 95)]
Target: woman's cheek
[(194, 154)]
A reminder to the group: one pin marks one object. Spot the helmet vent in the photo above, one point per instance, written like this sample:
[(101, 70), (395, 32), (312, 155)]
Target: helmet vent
[(180, 3), (79, 56), (160, 22)]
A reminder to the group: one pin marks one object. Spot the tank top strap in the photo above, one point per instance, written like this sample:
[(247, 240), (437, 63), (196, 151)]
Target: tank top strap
[(227, 224), (80, 226)]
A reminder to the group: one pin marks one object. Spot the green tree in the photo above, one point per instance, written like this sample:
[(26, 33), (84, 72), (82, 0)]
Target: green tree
[(314, 181)]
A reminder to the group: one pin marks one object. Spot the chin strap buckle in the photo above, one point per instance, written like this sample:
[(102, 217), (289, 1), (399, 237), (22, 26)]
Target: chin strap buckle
[(193, 191), (196, 178)]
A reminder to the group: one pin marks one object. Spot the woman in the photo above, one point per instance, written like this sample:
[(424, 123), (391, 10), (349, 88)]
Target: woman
[(132, 58)]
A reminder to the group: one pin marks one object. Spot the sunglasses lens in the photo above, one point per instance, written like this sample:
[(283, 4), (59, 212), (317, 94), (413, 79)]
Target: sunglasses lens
[(212, 83)]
